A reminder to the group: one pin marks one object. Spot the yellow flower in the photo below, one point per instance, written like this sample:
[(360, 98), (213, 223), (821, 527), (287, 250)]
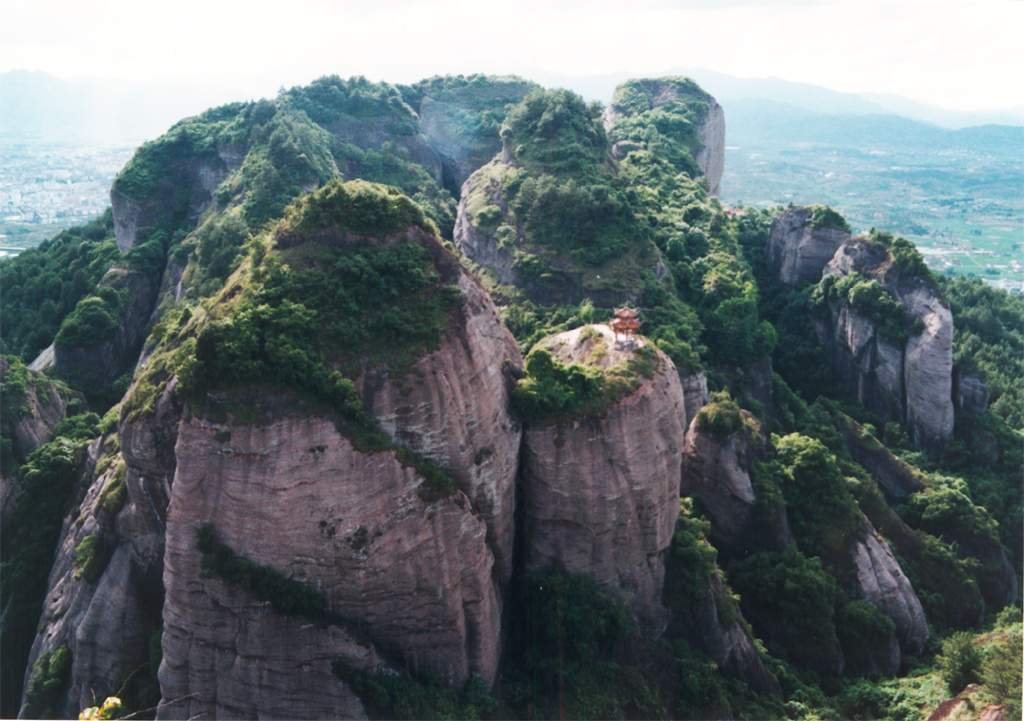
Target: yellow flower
[(89, 714), (111, 706)]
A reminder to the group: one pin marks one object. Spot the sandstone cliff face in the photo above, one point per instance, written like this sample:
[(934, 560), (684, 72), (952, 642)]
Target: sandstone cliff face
[(695, 393), (881, 582), (413, 577), (96, 364), (480, 244), (928, 369), (32, 421), (896, 477), (910, 381), (452, 407), (917, 378), (26, 422), (601, 494), (711, 156), (797, 250), (108, 613), (716, 471)]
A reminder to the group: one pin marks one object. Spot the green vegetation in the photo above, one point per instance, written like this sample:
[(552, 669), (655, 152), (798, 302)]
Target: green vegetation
[(81, 427), (1001, 667), (870, 299), (115, 492), (572, 638), (48, 480), (905, 256), (90, 558), (692, 571), (822, 510), (94, 320), (721, 417), (822, 216), (286, 595), (556, 132), (329, 304), (791, 601), (359, 207), (989, 340), (664, 116), (353, 105), (406, 696), (43, 285), (552, 390), (864, 634), (50, 676), (701, 246), (959, 662)]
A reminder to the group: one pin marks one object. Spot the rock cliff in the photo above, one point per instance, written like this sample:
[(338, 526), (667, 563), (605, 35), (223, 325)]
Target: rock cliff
[(93, 354), (917, 375), (601, 494), (461, 117), (182, 195), (410, 576), (452, 407), (881, 582), (702, 129), (33, 407), (717, 472), (109, 563), (895, 357), (799, 251)]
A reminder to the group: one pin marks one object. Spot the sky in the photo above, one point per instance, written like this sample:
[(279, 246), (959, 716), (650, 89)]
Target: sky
[(958, 54)]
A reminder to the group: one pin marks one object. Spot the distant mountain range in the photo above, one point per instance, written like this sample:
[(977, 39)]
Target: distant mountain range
[(36, 104), (729, 89)]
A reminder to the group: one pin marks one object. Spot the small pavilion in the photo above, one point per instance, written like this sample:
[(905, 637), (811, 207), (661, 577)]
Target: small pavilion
[(625, 323)]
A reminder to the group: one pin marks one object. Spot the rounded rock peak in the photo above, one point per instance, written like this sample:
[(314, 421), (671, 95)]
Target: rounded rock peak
[(597, 346), (355, 207)]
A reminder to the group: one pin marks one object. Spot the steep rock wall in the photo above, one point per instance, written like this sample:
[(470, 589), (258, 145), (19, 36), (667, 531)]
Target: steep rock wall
[(124, 509), (797, 250), (881, 582), (601, 494), (920, 374), (716, 471), (452, 407), (96, 362), (182, 194), (711, 156), (907, 380), (413, 577)]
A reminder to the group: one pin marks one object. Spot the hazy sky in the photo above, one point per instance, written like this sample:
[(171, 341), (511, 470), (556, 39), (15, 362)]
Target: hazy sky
[(961, 54)]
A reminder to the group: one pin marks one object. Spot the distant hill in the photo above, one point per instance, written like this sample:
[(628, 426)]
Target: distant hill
[(39, 105), (758, 121), (729, 89)]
